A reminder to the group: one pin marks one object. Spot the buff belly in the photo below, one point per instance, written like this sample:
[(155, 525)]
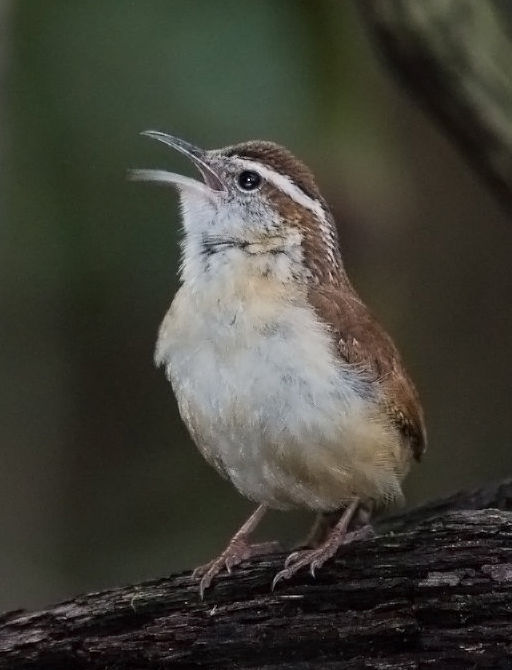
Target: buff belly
[(271, 406)]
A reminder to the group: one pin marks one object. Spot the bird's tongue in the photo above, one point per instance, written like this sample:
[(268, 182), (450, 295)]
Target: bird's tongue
[(199, 158)]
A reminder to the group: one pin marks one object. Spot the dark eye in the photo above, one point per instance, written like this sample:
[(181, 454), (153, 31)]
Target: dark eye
[(249, 180)]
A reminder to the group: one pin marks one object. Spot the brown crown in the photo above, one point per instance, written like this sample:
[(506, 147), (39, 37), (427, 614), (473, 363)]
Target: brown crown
[(279, 159)]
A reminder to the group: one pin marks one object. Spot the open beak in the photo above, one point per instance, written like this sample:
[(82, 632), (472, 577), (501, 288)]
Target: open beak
[(212, 181)]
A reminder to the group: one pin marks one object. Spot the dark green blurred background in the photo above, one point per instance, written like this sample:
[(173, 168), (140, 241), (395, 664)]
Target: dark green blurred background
[(100, 484)]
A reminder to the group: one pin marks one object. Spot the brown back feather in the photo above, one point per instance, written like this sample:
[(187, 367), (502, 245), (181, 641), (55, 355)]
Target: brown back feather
[(362, 341)]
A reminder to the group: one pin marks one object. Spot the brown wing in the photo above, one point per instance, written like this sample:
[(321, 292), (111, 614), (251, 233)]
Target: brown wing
[(362, 341)]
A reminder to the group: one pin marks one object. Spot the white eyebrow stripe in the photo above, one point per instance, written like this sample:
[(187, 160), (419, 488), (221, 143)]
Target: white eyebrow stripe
[(286, 185)]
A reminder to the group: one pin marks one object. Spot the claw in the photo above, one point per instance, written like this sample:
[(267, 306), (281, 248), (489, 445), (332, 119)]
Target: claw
[(236, 552), (226, 560), (291, 558), (286, 573), (204, 584), (199, 571), (282, 574), (235, 559), (315, 558)]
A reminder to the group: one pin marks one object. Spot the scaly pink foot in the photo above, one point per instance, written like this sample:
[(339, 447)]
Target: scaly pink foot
[(315, 558), (238, 550)]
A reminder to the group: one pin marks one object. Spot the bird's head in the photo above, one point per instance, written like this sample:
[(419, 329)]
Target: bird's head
[(257, 206)]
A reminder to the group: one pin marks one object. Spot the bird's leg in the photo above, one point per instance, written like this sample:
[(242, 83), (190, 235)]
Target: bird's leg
[(325, 522), (322, 524), (239, 549), (315, 558)]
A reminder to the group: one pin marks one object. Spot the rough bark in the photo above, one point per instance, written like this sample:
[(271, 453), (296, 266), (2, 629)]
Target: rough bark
[(454, 57), (435, 589)]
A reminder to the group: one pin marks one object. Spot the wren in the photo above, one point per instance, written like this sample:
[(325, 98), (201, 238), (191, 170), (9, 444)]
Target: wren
[(287, 384)]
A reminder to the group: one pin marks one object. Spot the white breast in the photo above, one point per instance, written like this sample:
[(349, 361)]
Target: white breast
[(269, 403)]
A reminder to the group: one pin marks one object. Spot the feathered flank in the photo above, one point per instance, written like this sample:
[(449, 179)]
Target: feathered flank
[(361, 340)]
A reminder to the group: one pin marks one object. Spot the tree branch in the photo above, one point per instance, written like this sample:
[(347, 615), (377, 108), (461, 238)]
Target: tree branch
[(454, 57), (436, 588)]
